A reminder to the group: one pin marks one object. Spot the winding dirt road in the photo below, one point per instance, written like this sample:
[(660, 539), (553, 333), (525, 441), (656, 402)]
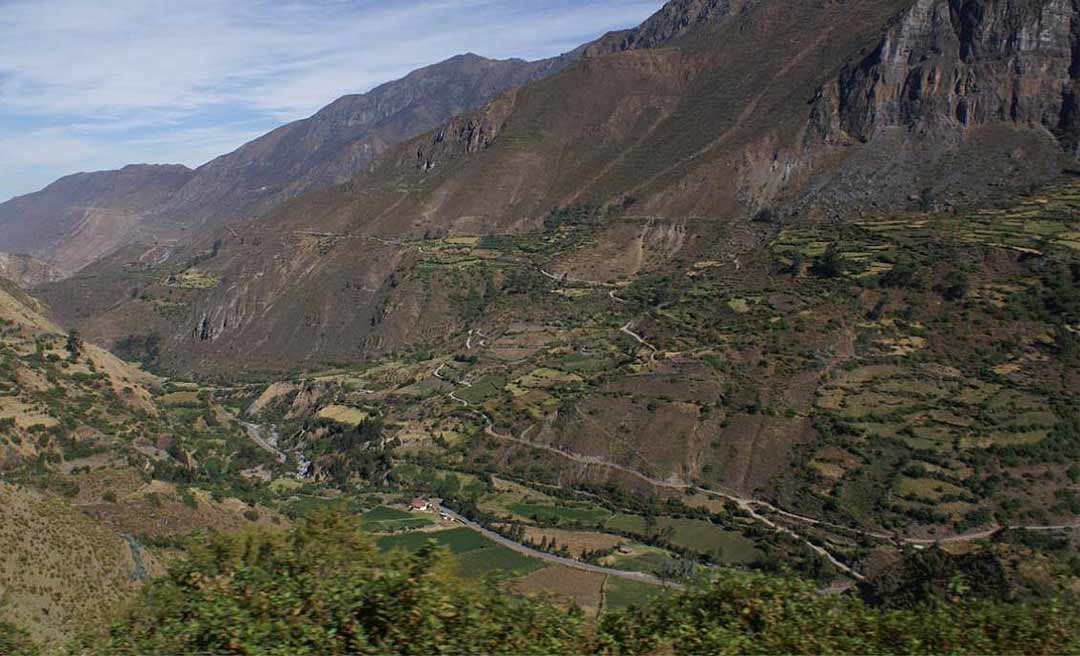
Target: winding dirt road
[(746, 505), (750, 506)]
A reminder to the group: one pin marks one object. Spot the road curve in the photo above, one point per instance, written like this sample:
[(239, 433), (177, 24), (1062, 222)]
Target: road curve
[(553, 559), (255, 435), (746, 505)]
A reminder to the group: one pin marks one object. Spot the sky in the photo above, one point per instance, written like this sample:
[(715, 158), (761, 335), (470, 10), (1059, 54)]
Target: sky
[(88, 85)]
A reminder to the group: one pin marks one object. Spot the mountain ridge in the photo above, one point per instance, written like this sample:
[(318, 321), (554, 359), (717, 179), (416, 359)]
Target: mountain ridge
[(83, 217), (670, 132)]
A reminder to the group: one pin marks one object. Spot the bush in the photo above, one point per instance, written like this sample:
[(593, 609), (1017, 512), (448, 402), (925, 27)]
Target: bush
[(763, 615), (16, 642), (830, 264), (324, 588)]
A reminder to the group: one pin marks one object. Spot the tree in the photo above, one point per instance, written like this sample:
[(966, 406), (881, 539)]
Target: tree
[(956, 286), (830, 264), (769, 615), (74, 344), (324, 587), (903, 274)]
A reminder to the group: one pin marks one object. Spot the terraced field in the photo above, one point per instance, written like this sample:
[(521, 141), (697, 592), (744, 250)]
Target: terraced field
[(476, 555)]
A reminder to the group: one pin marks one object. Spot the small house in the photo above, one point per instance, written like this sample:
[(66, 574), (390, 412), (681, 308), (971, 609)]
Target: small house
[(420, 505)]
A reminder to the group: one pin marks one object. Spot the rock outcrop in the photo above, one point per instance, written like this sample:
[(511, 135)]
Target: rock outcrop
[(957, 95), (674, 20), (947, 65), (26, 271)]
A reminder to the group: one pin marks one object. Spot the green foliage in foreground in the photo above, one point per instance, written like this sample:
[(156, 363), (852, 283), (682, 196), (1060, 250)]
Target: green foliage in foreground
[(765, 615), (325, 588), (14, 642)]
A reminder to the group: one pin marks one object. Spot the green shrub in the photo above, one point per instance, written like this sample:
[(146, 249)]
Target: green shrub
[(763, 615), (324, 588), (16, 642)]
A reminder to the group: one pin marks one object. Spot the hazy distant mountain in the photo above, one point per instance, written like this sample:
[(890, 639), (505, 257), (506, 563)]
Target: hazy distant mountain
[(83, 217)]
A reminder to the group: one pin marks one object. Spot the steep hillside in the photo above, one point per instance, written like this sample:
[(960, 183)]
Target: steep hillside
[(726, 123), (98, 458), (62, 571), (79, 219), (26, 271), (339, 141)]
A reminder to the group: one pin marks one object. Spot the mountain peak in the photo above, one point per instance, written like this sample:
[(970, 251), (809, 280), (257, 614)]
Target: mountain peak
[(674, 20)]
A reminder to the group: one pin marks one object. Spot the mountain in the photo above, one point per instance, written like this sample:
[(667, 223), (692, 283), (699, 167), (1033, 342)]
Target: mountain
[(26, 271), (908, 105), (339, 141), (77, 219), (674, 20), (728, 241), (84, 217)]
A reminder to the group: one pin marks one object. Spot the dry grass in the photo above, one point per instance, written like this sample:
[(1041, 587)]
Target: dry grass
[(61, 570), (578, 542), (343, 415), (566, 585)]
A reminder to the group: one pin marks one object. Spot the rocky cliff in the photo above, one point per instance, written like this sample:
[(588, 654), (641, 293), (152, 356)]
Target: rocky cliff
[(947, 65), (956, 95), (674, 20)]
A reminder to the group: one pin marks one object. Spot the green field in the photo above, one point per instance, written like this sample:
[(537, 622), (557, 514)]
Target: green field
[(650, 560), (482, 390), (383, 519), (305, 506), (476, 555), (384, 514), (458, 540), (620, 593), (589, 516), (695, 534), (707, 538), (496, 559)]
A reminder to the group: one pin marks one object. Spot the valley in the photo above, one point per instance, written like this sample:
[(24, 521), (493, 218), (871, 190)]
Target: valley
[(752, 329)]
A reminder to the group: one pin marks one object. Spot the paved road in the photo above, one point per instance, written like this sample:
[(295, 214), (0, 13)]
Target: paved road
[(746, 505), (255, 435), (553, 559)]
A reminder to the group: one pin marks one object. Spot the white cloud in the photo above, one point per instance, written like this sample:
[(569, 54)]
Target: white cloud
[(98, 84)]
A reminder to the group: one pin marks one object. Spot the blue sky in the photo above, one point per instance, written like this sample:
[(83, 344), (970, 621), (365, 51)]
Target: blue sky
[(95, 84)]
